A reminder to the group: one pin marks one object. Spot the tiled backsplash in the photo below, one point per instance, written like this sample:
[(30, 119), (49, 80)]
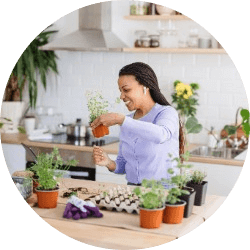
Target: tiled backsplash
[(221, 90)]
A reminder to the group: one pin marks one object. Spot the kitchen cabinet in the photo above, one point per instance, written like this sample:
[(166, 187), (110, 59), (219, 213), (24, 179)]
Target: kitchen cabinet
[(14, 155)]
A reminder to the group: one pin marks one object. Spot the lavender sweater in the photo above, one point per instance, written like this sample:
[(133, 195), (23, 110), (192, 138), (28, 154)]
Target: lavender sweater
[(145, 145)]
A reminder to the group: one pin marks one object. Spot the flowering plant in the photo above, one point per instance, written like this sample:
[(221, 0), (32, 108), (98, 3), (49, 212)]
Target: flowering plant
[(184, 97), (96, 104)]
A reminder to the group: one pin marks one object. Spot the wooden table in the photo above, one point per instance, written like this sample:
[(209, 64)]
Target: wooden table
[(120, 230)]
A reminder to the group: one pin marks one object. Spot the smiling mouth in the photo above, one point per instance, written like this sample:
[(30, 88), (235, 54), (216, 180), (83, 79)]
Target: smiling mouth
[(126, 103)]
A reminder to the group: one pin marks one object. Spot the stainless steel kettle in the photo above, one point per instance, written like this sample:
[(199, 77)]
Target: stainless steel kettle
[(77, 130)]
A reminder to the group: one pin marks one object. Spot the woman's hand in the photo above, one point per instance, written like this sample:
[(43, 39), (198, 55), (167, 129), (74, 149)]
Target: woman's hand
[(108, 120), (100, 157)]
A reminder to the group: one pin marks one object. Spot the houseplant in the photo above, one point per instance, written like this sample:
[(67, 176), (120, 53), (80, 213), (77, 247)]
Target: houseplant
[(32, 62), (199, 185), (48, 169), (237, 135), (152, 203)]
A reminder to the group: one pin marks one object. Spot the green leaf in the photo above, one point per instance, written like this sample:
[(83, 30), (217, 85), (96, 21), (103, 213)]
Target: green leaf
[(1, 124), (192, 126), (21, 130), (231, 130)]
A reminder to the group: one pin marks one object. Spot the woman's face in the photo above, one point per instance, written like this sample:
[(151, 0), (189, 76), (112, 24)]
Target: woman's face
[(131, 92)]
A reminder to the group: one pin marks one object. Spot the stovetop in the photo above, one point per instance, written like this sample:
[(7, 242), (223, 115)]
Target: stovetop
[(90, 141)]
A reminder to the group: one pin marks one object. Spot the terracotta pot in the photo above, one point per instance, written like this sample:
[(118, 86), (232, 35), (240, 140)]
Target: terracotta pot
[(151, 218), (173, 213), (46, 198), (100, 131)]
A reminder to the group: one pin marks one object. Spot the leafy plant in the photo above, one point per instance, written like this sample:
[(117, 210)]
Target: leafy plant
[(192, 126), (197, 177), (174, 194), (151, 194), (231, 129), (4, 120), (48, 169), (31, 62)]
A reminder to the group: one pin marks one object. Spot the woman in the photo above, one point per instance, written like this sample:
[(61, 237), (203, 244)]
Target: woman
[(148, 135)]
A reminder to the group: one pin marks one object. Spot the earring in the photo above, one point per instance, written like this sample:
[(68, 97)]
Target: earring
[(144, 90)]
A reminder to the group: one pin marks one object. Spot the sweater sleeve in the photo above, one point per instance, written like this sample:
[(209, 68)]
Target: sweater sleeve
[(120, 162), (164, 126)]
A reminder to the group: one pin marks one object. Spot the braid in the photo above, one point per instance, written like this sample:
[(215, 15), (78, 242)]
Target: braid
[(146, 76)]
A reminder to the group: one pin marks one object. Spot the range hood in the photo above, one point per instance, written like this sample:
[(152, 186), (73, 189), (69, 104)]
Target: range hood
[(94, 33)]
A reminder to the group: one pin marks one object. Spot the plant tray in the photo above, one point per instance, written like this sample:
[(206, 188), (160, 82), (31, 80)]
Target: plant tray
[(117, 199)]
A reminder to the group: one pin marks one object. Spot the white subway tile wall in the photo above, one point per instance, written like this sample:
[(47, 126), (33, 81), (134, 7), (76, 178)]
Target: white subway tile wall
[(221, 91)]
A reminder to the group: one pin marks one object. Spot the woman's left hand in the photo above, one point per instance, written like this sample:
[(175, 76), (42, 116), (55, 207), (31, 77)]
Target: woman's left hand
[(108, 120)]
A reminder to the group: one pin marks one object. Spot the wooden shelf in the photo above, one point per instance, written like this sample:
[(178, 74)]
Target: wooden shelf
[(156, 17), (175, 50)]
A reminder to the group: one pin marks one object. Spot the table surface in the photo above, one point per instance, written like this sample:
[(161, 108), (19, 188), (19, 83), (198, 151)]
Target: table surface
[(120, 230)]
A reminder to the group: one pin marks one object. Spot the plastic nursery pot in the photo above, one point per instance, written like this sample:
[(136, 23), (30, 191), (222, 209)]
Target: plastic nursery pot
[(173, 213), (100, 131), (47, 198), (151, 218), (189, 198), (201, 192)]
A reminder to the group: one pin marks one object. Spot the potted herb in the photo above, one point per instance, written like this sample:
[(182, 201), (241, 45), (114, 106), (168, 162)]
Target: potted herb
[(48, 170), (180, 181), (97, 106), (174, 210), (152, 199), (200, 186)]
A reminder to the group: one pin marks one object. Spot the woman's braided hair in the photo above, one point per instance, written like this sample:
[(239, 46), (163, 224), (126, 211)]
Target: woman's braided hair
[(145, 75)]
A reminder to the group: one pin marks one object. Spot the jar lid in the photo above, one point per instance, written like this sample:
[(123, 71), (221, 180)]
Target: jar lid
[(146, 38)]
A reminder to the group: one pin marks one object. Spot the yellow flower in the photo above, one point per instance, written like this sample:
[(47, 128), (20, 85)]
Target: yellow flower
[(183, 89)]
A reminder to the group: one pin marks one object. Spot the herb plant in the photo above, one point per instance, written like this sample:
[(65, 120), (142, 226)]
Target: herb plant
[(197, 177), (174, 194), (48, 167), (96, 105), (151, 194)]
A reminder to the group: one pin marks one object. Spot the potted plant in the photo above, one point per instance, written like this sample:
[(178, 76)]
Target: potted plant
[(174, 210), (31, 63), (199, 185), (48, 169), (152, 199), (180, 181), (98, 106)]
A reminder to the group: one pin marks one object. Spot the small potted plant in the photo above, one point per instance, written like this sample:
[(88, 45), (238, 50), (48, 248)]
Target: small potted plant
[(181, 181), (174, 210), (48, 171), (152, 199), (199, 185), (97, 106)]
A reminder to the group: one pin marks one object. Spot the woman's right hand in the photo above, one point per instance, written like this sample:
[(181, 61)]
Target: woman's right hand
[(100, 157)]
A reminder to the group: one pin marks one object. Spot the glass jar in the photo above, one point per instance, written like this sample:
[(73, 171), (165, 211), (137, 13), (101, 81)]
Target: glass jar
[(193, 40), (145, 41), (169, 39), (142, 8), (138, 34), (133, 7), (154, 41)]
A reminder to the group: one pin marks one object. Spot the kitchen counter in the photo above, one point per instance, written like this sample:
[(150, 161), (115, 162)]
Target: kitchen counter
[(120, 230), (110, 149)]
